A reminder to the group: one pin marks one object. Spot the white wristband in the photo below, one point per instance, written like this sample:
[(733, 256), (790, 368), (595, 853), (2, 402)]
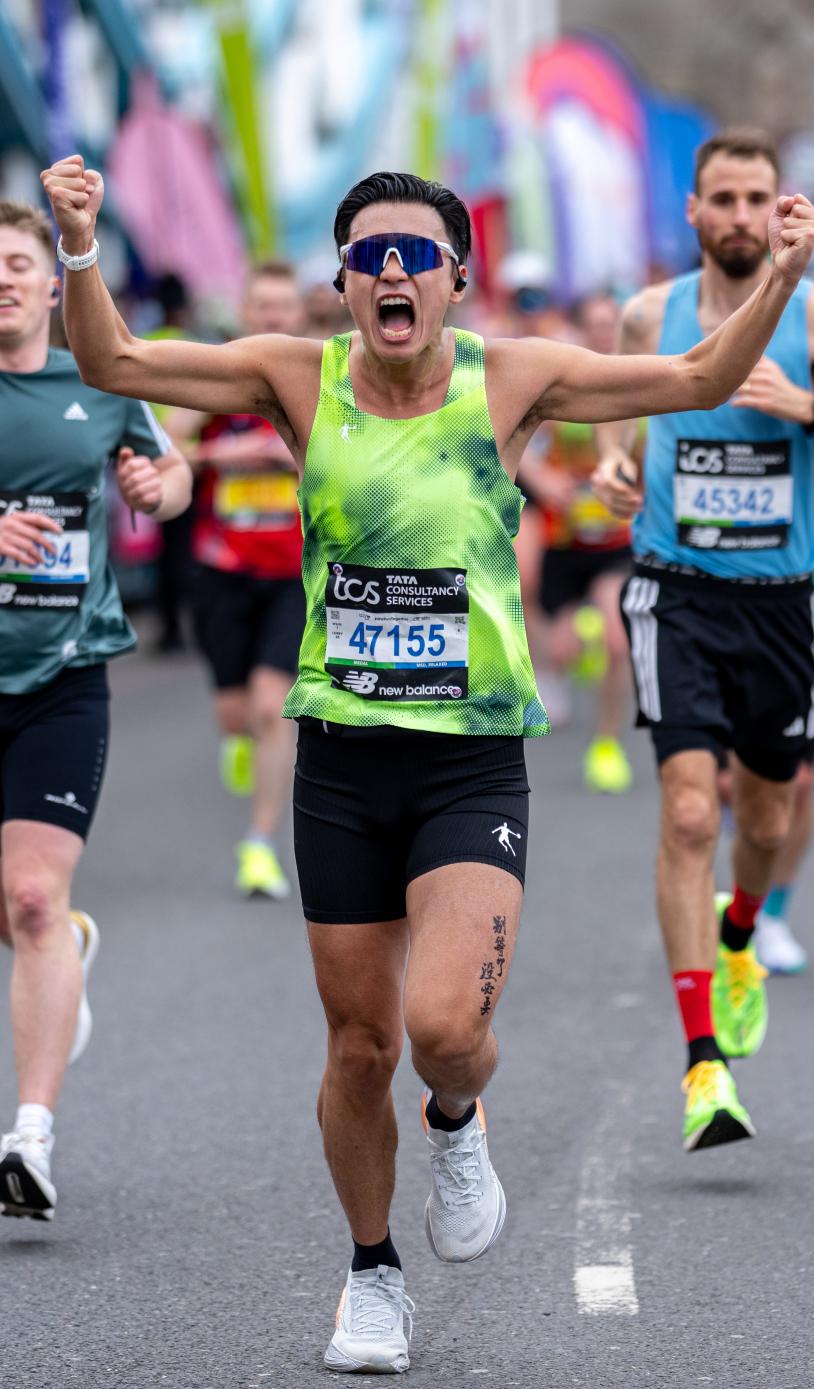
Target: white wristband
[(83, 262)]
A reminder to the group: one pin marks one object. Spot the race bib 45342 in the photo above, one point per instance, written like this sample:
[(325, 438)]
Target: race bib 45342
[(733, 494), (397, 636)]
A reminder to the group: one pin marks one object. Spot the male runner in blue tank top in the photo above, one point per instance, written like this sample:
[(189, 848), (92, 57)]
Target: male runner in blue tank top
[(719, 613), (410, 793)]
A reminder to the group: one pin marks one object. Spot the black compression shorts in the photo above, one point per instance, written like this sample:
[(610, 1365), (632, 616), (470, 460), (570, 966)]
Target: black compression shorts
[(374, 810), (722, 664), (569, 575), (242, 622), (53, 745)]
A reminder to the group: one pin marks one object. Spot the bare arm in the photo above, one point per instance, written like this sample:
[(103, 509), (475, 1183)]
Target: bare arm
[(559, 381), (237, 377)]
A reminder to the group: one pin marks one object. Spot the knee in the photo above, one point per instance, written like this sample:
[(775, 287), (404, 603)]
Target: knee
[(691, 821), (448, 1049), (29, 908), (266, 717), (767, 830), (363, 1058)]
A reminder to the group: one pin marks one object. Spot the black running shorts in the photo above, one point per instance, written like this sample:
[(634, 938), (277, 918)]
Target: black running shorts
[(722, 664), (569, 575), (53, 745), (375, 809), (242, 623)]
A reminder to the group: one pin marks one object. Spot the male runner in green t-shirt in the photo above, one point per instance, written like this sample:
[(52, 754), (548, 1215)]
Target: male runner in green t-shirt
[(415, 685), (60, 620)]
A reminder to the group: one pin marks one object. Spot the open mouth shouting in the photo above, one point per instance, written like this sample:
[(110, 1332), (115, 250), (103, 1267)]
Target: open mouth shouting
[(396, 318)]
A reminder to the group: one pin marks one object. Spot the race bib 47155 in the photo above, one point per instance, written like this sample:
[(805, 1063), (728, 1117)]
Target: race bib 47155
[(397, 636)]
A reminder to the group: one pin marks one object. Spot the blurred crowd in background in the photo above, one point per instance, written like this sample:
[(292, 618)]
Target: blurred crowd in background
[(227, 131)]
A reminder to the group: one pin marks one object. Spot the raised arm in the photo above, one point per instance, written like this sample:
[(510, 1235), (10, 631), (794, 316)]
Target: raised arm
[(581, 385), (239, 377)]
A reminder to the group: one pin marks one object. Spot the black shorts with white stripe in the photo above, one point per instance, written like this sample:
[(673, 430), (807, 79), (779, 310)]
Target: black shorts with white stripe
[(723, 664)]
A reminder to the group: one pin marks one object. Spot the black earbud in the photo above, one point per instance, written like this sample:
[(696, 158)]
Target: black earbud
[(55, 294), (339, 282), (461, 281)]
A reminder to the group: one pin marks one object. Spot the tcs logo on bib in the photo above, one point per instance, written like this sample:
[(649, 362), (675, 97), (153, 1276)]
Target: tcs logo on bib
[(698, 458), (353, 590)]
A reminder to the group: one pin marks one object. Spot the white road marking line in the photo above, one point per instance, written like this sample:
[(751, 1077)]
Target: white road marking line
[(604, 1280)]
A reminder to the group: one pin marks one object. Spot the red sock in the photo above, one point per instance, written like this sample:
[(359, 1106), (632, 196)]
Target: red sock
[(743, 909), (692, 988)]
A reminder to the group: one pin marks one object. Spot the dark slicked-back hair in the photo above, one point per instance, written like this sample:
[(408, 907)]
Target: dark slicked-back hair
[(742, 142), (407, 188)]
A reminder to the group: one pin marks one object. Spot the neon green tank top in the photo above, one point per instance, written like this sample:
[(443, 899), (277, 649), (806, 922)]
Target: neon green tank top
[(414, 611)]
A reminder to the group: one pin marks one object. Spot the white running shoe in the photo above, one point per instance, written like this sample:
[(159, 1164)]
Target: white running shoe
[(369, 1334), (25, 1176), (87, 938), (466, 1208), (777, 948)]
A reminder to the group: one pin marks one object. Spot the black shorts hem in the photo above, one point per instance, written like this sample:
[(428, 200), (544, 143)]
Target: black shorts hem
[(667, 742), (770, 763), (488, 859), (346, 918)]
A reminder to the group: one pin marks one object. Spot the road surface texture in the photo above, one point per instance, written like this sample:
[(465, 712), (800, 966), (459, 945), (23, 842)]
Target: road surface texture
[(197, 1242)]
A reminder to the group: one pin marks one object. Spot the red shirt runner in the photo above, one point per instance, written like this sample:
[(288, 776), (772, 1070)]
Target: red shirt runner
[(247, 521)]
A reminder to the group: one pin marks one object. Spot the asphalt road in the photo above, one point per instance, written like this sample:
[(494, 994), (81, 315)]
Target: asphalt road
[(197, 1242)]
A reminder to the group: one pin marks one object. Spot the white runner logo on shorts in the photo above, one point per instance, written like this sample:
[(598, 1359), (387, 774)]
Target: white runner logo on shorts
[(69, 799), (503, 832)]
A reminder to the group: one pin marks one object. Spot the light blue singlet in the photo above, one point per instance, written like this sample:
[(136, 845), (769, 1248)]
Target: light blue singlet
[(729, 491)]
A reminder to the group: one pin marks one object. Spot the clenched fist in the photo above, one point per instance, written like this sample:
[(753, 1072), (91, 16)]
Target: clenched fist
[(791, 235), (616, 481), (139, 481), (76, 195)]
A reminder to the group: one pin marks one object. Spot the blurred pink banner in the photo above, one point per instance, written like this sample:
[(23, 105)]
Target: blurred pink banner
[(171, 198)]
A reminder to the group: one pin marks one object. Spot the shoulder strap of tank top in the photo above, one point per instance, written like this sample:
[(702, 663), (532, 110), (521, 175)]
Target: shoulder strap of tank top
[(468, 373), (335, 374)]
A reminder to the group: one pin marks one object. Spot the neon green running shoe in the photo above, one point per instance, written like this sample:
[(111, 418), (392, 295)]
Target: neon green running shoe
[(237, 764), (740, 1009), (259, 873), (605, 766), (592, 662), (713, 1113)]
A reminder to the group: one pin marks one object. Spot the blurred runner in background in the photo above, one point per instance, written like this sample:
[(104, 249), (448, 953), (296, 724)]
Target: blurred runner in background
[(61, 620), (719, 613), (586, 559), (248, 601)]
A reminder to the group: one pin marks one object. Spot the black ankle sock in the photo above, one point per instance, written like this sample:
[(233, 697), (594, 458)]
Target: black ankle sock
[(735, 937), (704, 1049), (438, 1120), (371, 1255)]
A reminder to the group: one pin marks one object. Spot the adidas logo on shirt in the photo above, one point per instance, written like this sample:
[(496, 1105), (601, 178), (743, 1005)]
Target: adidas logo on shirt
[(75, 412)]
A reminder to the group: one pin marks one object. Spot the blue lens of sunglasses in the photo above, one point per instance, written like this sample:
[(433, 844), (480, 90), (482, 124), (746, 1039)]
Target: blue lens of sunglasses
[(418, 253)]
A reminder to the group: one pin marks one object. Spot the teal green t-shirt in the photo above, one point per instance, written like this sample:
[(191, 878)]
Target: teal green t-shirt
[(58, 437)]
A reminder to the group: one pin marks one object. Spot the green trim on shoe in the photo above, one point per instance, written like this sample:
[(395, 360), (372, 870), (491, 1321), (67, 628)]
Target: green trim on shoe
[(740, 1008), (713, 1113)]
